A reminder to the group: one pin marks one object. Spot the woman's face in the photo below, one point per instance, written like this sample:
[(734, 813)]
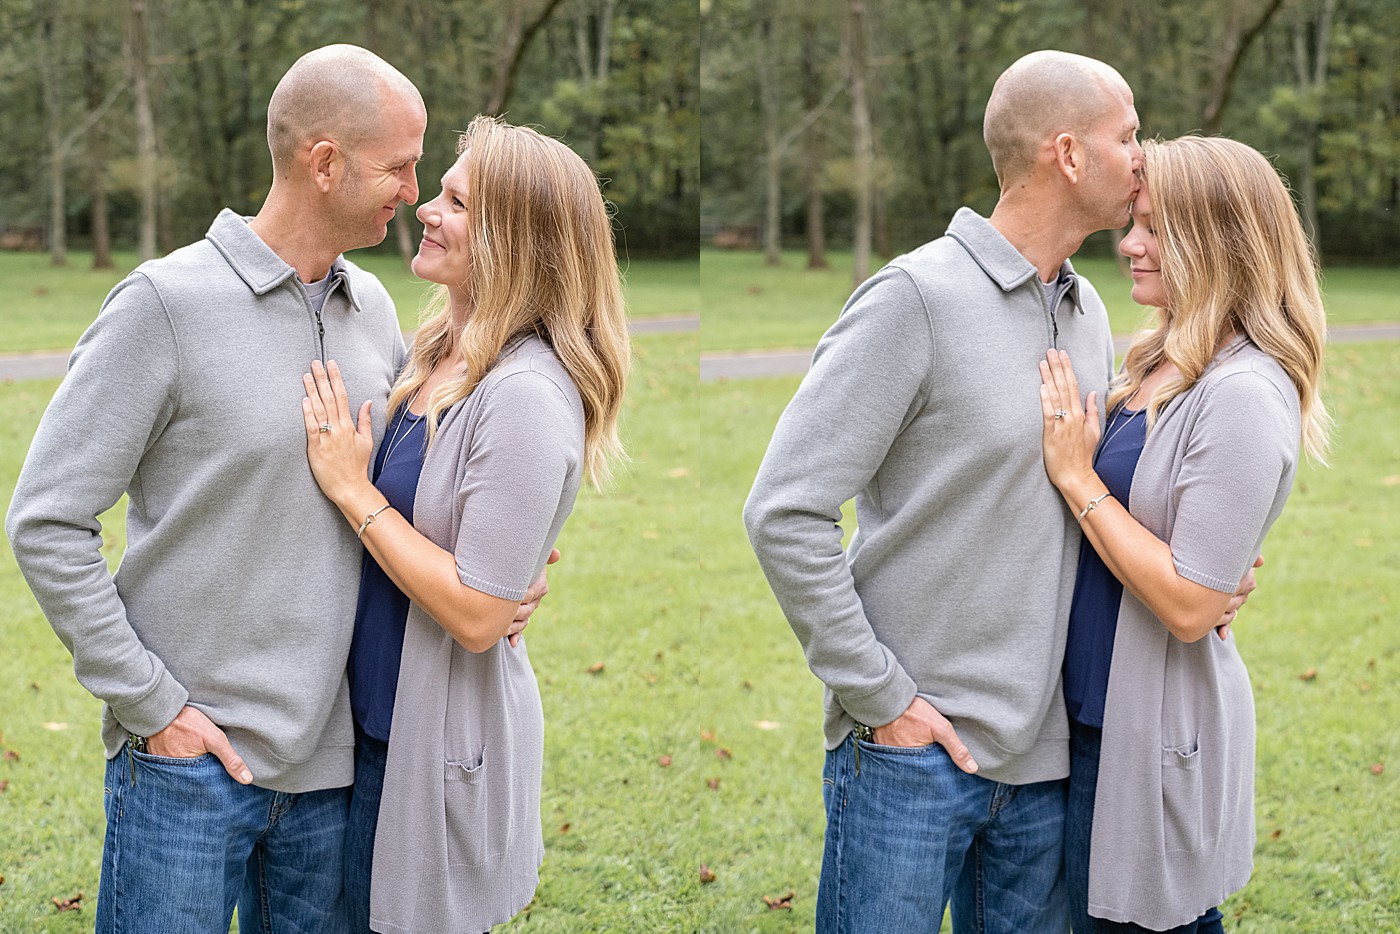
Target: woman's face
[(442, 254), (1140, 247)]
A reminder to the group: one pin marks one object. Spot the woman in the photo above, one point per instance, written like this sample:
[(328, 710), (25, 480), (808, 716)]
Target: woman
[(1198, 456), (509, 398)]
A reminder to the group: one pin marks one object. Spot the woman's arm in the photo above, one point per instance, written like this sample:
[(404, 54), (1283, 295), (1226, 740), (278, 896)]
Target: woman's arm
[(426, 573), (1138, 558)]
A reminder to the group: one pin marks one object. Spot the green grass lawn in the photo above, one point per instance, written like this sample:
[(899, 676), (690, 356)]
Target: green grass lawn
[(622, 831), (43, 308), (748, 305), (1320, 638)]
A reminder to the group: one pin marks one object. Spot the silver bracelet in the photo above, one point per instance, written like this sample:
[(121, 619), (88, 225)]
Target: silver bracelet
[(1093, 503), (369, 521)]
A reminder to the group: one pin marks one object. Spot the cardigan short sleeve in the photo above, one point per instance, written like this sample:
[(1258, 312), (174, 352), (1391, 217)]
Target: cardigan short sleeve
[(521, 475), (1239, 460)]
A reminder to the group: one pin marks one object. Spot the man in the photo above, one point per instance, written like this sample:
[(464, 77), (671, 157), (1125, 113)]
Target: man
[(219, 649), (940, 636)]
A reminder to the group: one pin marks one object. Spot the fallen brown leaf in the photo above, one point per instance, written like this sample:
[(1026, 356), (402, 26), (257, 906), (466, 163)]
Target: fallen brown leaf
[(707, 736), (780, 902), (1276, 834), (564, 828), (11, 755), (707, 875), (1309, 675), (723, 753), (712, 783), (1377, 768), (596, 668), (4, 786), (1365, 686), (663, 761), (69, 904)]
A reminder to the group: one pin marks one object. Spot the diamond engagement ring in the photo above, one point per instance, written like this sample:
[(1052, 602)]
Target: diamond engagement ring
[(326, 426), (1060, 414)]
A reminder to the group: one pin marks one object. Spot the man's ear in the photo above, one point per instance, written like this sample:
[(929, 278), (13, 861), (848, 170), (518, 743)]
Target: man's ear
[(327, 164), (1069, 157)]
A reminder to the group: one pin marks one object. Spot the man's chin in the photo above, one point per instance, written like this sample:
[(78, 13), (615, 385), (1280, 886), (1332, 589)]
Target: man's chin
[(372, 237)]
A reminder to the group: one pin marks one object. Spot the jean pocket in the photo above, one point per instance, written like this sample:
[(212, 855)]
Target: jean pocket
[(1183, 802), (172, 761), (867, 746)]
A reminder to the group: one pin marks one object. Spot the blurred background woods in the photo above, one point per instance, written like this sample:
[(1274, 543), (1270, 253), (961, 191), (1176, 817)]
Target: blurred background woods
[(132, 122), (860, 122)]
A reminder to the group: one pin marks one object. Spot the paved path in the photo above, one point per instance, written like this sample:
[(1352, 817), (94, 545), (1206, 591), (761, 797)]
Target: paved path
[(749, 364), (48, 365)]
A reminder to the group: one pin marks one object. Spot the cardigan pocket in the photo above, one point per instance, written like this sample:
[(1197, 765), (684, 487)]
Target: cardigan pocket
[(469, 770), (478, 812), (1183, 814)]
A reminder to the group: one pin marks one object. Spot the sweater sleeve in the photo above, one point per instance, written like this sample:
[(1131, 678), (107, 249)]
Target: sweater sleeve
[(869, 375), (120, 392), (1241, 451), (524, 452)]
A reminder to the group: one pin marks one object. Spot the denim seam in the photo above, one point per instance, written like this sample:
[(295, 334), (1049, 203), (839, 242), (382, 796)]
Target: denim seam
[(840, 792)]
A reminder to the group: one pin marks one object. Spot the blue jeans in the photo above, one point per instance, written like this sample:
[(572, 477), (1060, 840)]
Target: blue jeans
[(908, 830), (185, 843), (370, 757), (1084, 744)]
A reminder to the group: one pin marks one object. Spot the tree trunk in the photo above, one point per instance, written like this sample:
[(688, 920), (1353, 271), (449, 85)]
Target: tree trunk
[(1223, 83), (772, 153), (816, 207), (138, 57), (864, 145), (97, 147), (53, 118), (1312, 82), (403, 234), (514, 44)]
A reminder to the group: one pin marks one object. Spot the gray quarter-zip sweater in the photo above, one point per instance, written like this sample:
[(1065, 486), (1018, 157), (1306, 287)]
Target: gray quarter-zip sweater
[(237, 590), (923, 404)]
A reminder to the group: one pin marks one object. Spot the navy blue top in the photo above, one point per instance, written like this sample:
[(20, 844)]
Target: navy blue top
[(1093, 612), (382, 612)]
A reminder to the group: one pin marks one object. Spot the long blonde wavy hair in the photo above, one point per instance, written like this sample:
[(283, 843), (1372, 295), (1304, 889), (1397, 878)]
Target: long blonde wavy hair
[(542, 261), (1233, 258)]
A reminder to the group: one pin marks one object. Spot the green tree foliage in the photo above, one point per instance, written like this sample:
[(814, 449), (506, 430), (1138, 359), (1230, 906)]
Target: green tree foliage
[(630, 106), (1247, 65)]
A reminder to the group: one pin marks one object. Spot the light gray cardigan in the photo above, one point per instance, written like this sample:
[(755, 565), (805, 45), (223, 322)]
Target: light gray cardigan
[(458, 844), (1173, 831)]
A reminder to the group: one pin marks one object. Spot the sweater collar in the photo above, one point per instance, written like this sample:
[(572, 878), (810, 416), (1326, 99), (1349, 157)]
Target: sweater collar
[(257, 265), (1001, 261)]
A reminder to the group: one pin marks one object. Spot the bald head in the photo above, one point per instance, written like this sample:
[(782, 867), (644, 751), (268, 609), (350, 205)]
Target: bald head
[(340, 93), (1040, 96)]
